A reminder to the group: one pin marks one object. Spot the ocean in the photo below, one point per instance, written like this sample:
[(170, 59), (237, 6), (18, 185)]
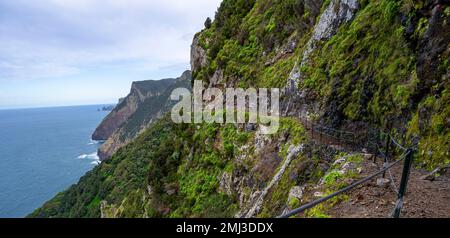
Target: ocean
[(42, 152)]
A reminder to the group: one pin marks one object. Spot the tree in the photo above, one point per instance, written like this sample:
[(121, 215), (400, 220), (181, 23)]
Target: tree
[(208, 23)]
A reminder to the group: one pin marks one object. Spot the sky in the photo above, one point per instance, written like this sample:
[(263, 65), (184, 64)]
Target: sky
[(78, 52)]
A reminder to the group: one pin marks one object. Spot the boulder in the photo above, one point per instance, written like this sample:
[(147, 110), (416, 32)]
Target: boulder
[(383, 183), (296, 193)]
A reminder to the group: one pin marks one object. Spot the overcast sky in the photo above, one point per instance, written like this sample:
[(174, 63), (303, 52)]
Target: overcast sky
[(75, 52)]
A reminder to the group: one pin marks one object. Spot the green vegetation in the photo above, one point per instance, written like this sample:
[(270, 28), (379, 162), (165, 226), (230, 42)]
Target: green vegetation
[(337, 178), (370, 71)]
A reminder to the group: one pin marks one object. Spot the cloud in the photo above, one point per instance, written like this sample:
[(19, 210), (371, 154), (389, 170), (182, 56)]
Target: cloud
[(63, 38)]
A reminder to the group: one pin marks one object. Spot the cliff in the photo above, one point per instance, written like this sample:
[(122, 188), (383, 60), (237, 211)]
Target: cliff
[(347, 64), (128, 106), (146, 102)]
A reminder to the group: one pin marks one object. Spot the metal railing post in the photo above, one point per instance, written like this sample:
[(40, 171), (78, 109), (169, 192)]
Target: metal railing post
[(404, 183), (386, 154), (367, 139)]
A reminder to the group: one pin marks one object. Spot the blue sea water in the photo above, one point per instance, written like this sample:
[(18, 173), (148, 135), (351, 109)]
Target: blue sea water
[(42, 152)]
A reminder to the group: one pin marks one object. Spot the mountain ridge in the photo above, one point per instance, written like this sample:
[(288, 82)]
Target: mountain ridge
[(146, 102), (348, 64)]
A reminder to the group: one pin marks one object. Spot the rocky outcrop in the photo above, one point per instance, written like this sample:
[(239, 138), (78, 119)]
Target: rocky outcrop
[(147, 101), (336, 13), (260, 195), (198, 55), (341, 71), (116, 118), (139, 92), (431, 48)]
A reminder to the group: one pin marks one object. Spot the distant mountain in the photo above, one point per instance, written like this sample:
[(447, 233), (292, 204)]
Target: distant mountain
[(147, 101)]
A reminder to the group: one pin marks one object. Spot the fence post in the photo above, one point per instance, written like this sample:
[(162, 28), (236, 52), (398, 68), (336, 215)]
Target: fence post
[(367, 139), (404, 183), (386, 154)]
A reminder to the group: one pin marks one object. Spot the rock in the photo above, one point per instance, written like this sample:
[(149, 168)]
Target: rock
[(383, 183), (334, 15), (216, 79), (431, 48), (313, 6), (319, 194), (103, 205), (256, 206), (368, 156), (149, 190), (349, 181), (288, 48), (431, 176), (171, 189), (226, 184), (339, 161), (337, 13), (250, 127), (132, 115), (296, 193), (348, 166), (359, 170), (260, 142), (198, 55)]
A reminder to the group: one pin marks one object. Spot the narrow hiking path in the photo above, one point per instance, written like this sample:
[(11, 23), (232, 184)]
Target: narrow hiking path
[(424, 198)]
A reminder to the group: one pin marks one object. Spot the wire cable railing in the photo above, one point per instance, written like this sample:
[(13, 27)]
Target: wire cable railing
[(377, 149), (344, 190)]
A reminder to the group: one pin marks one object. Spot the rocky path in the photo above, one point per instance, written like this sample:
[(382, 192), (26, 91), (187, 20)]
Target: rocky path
[(424, 198)]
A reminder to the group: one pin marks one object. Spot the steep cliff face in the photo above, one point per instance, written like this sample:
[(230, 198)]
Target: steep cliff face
[(140, 91), (147, 102), (344, 63)]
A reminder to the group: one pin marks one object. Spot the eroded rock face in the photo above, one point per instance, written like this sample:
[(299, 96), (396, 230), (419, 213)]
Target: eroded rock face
[(116, 118), (431, 47), (198, 55), (147, 101), (258, 197), (335, 14), (313, 6), (217, 79), (226, 184)]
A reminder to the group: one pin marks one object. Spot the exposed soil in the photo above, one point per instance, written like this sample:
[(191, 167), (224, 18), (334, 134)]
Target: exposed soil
[(424, 199)]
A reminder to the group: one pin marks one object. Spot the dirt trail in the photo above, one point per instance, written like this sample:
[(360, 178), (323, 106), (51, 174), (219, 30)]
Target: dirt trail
[(424, 199)]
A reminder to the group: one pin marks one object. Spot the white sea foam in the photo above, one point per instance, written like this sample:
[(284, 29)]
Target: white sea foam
[(95, 142), (94, 156), (83, 156)]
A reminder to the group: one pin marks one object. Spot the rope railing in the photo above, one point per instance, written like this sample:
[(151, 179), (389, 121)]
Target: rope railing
[(407, 157), (344, 190)]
